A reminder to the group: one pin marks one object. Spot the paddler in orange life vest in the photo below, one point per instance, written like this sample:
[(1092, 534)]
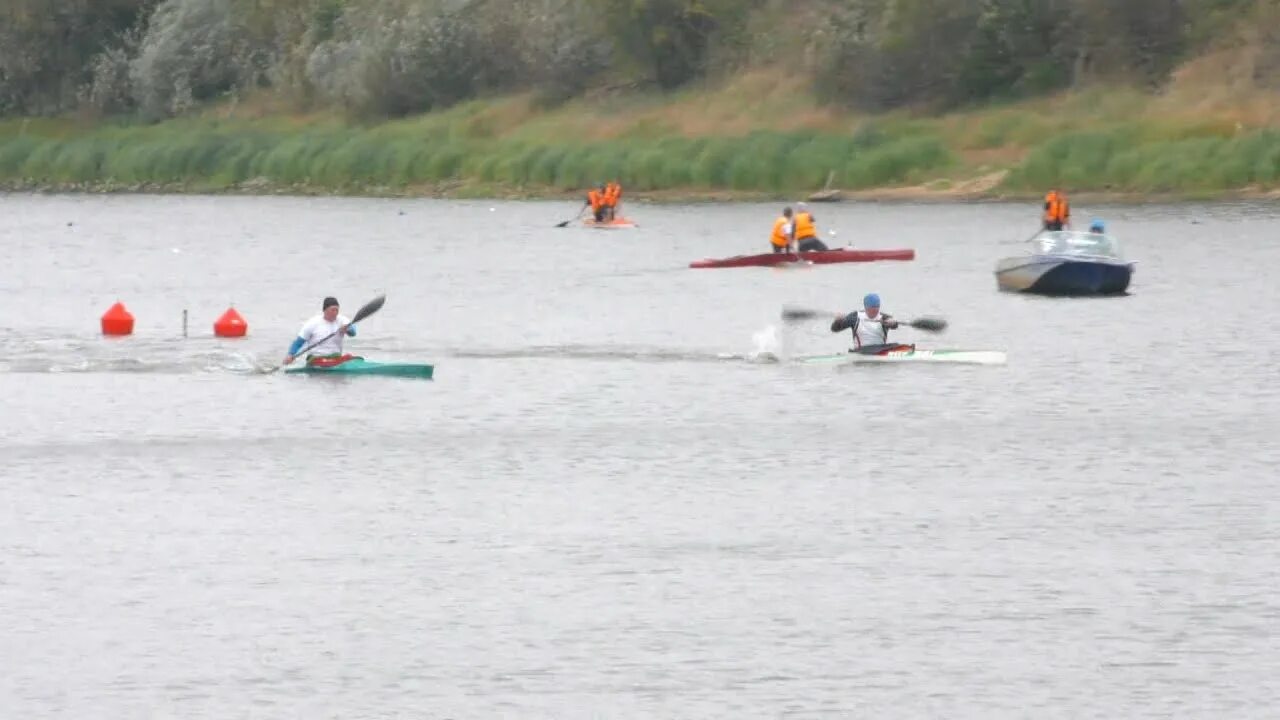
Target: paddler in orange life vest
[(612, 194), (780, 240), (803, 232), (597, 199), (1057, 211), (870, 327)]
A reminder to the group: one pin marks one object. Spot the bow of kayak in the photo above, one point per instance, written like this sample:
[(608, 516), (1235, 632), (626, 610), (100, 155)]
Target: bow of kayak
[(360, 366), (967, 357)]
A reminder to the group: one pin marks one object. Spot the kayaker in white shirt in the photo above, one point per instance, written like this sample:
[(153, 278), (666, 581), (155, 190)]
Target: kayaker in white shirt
[(328, 324), (870, 326)]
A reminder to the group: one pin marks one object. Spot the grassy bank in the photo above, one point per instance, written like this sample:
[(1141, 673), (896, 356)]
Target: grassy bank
[(758, 136)]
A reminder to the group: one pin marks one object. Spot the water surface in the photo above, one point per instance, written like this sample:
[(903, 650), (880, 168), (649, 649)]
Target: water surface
[(607, 503)]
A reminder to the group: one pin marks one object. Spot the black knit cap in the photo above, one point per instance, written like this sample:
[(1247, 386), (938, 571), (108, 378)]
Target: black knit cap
[(329, 302)]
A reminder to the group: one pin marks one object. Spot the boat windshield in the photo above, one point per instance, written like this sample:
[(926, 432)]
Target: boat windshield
[(1068, 242)]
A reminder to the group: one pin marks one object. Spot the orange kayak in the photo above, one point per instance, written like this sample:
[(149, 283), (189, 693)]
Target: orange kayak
[(616, 223)]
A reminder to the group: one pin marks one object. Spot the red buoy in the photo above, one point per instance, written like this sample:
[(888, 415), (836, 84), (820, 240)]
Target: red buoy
[(231, 324), (117, 321)]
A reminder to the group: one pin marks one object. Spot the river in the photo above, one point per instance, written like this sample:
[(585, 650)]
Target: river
[(609, 502)]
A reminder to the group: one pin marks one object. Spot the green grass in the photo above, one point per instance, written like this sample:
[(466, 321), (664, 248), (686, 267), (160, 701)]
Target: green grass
[(398, 156), (1130, 159), (1096, 140)]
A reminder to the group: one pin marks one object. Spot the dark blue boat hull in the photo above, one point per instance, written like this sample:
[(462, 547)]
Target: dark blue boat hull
[(1084, 278)]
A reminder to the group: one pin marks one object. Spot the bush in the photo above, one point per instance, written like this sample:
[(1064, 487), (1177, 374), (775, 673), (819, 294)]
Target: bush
[(109, 90), (189, 54), (388, 61)]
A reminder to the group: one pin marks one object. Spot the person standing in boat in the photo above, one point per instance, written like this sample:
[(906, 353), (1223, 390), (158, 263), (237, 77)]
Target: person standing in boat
[(1057, 211), (804, 232), (612, 196), (870, 327), (780, 240), (598, 200), (329, 327)]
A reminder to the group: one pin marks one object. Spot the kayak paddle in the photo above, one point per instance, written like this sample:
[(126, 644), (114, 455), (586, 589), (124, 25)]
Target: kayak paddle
[(365, 311), (575, 217), (794, 314), (1023, 242)]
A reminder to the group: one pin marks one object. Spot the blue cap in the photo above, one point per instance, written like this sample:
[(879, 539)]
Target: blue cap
[(872, 300), (1097, 226)]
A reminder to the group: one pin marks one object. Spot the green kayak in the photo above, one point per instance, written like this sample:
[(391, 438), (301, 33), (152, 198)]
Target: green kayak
[(355, 365)]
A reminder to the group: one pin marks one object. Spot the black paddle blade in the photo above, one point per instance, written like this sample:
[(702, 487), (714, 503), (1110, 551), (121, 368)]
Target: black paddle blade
[(369, 308), (932, 324), (795, 314)]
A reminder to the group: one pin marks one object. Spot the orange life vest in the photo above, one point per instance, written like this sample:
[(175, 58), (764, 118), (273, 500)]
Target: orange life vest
[(779, 238), (596, 198), (612, 193), (804, 226), (1056, 209)]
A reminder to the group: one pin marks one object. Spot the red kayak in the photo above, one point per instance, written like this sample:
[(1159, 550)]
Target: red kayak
[(817, 257)]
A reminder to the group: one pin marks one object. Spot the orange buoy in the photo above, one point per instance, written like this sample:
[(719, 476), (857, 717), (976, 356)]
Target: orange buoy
[(231, 324), (117, 321)]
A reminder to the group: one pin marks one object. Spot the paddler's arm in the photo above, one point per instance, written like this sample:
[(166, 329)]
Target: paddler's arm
[(297, 344), (844, 322), (888, 321)]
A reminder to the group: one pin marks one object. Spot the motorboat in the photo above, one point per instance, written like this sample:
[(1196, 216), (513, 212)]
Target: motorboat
[(1067, 262)]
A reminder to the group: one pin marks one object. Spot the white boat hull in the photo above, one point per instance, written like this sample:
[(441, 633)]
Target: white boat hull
[(965, 357), (1022, 273)]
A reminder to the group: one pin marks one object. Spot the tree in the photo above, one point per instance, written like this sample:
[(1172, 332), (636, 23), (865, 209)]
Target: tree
[(46, 48), (1136, 39), (670, 38), (1020, 47), (903, 52)]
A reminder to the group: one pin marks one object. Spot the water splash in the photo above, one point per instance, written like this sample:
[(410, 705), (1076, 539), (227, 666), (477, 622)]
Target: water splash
[(768, 345)]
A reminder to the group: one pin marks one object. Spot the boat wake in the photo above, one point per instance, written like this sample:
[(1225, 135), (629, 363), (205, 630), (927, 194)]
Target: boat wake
[(211, 363), (83, 355), (179, 357), (583, 352)]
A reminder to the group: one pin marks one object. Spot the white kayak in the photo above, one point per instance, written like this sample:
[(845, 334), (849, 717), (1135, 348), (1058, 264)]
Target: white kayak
[(909, 354)]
